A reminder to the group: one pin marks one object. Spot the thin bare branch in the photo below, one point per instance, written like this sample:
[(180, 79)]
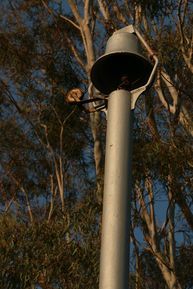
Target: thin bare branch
[(70, 21), (187, 55), (87, 6), (47, 7), (104, 9), (186, 119), (142, 204), (171, 214), (75, 11), (26, 196), (173, 91), (191, 48), (160, 93), (56, 114), (181, 22), (59, 177), (75, 52), (28, 204), (9, 204), (53, 195), (119, 15)]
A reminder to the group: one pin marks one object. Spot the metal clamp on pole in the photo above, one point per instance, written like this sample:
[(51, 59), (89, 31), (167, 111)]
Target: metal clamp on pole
[(137, 92)]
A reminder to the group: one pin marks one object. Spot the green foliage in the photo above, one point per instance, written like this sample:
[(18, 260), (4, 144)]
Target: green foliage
[(43, 253), (38, 127)]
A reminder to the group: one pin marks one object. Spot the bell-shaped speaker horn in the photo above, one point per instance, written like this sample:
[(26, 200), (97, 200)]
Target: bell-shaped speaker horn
[(121, 62)]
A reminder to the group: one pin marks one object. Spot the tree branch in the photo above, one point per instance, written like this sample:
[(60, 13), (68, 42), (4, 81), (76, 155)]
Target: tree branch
[(70, 21), (171, 88), (75, 11), (104, 9), (159, 91), (75, 52), (53, 195)]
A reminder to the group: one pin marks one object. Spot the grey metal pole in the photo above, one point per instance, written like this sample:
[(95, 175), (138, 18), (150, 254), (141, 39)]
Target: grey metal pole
[(114, 262)]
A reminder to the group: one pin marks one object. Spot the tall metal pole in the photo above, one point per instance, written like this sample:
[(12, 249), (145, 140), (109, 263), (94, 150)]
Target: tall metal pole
[(114, 263)]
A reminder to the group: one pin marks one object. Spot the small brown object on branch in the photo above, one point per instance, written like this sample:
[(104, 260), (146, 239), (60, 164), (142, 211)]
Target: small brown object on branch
[(74, 95)]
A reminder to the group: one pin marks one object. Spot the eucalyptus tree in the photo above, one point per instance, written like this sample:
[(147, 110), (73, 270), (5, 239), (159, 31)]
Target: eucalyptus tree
[(166, 26), (46, 165), (41, 143), (49, 47)]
